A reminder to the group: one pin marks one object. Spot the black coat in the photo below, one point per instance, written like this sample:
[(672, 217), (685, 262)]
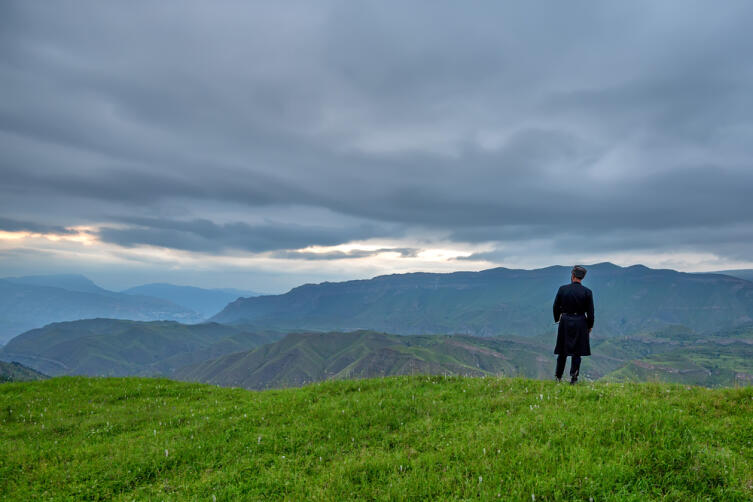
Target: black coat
[(574, 309)]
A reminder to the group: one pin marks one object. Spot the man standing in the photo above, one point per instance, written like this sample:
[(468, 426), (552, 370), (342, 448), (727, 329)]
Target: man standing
[(574, 311)]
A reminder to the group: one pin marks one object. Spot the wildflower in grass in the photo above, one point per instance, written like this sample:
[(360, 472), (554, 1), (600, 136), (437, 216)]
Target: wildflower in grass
[(166, 453), (480, 479)]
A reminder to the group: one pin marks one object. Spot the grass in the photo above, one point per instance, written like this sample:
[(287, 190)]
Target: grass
[(399, 438)]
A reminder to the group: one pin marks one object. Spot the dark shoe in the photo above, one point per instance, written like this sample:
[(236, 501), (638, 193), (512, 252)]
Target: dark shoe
[(573, 381), (558, 379)]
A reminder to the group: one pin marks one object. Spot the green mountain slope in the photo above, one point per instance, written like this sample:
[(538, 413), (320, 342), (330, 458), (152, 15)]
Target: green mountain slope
[(502, 301), (301, 358), (401, 438), (17, 372), (206, 302), (118, 348), (24, 306)]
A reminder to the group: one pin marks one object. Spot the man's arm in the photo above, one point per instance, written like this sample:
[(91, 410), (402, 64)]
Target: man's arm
[(556, 307), (590, 310)]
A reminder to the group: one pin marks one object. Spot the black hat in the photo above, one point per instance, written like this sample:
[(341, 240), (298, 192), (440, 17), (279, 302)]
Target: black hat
[(579, 272)]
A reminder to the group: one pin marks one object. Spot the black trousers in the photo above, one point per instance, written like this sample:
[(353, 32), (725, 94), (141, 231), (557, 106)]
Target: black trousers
[(574, 366)]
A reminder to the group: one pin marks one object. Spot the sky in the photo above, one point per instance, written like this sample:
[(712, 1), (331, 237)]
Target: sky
[(262, 145)]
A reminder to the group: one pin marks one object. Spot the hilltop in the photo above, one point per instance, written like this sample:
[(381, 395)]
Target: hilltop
[(403, 438), (502, 301)]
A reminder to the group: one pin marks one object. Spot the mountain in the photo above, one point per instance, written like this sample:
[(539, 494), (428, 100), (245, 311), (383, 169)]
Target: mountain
[(724, 358), (206, 302), (17, 372), (628, 300), (302, 358), (116, 347), (741, 274), (70, 282), (32, 302)]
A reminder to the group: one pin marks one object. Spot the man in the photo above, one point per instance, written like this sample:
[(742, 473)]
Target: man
[(574, 311)]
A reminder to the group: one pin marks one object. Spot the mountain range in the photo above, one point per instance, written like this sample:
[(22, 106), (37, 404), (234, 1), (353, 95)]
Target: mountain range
[(746, 274), (115, 347), (672, 355), (205, 302), (24, 306), (650, 324), (500, 301), (34, 301)]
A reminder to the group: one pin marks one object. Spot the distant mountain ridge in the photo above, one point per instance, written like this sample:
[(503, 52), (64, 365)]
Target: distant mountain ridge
[(70, 282), (32, 302), (498, 301), (746, 274), (206, 302)]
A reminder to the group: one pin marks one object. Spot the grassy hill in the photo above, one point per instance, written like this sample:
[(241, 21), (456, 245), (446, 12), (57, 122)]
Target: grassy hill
[(17, 372), (502, 301), (115, 347), (402, 438)]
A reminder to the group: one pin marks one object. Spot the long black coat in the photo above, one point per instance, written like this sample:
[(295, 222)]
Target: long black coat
[(574, 309)]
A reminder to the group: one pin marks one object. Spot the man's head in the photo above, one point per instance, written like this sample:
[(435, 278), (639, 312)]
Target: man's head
[(578, 273)]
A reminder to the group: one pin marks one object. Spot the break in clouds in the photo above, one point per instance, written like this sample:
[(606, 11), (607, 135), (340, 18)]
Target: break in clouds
[(517, 134)]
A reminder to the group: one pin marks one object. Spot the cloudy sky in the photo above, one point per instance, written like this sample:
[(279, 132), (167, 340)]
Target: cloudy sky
[(266, 144)]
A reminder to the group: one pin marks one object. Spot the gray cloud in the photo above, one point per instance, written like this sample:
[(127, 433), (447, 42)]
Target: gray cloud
[(10, 225), (207, 236), (506, 123)]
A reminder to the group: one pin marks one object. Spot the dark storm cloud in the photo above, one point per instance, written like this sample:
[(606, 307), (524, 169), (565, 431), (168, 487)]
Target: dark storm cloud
[(9, 225), (204, 235), (505, 122)]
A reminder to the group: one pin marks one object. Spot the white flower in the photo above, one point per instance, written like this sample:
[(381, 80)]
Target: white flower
[(480, 479), (166, 453)]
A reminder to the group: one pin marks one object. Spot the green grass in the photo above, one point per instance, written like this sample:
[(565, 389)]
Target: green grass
[(400, 438)]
